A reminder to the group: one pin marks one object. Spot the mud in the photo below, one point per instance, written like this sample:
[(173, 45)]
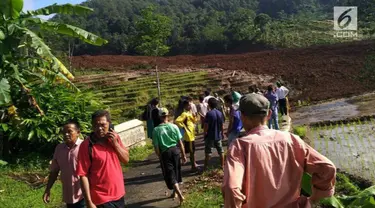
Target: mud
[(337, 110), (349, 147), (316, 73)]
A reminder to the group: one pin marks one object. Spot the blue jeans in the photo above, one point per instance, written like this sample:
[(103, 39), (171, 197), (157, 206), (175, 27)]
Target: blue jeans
[(182, 131), (274, 119)]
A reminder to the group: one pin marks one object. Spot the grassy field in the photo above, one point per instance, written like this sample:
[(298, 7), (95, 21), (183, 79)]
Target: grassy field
[(126, 99), (23, 185)]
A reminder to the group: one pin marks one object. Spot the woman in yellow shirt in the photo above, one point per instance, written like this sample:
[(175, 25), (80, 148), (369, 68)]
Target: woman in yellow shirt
[(187, 121)]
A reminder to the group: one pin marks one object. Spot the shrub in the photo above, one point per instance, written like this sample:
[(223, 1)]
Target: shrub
[(28, 131), (300, 131)]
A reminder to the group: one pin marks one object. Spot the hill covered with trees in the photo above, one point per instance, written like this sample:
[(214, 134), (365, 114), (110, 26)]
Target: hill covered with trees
[(214, 26)]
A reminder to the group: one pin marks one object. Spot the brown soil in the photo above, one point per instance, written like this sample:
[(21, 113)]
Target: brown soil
[(319, 73)]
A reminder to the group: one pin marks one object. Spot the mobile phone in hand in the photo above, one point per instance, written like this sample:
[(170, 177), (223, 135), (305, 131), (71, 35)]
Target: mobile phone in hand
[(111, 127)]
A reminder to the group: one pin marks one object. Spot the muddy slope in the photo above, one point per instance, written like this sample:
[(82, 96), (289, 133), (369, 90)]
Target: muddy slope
[(319, 73)]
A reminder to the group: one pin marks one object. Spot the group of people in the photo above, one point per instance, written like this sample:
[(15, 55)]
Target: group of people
[(91, 172), (277, 96), (262, 168)]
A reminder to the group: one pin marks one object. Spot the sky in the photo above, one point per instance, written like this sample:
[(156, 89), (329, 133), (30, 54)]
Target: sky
[(36, 4)]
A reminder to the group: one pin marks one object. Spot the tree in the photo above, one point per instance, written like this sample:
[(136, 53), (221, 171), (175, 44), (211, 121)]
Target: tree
[(24, 55), (261, 21), (241, 25), (153, 31), (26, 61)]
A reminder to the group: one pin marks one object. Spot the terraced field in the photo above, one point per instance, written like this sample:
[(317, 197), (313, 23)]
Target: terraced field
[(127, 92), (350, 145)]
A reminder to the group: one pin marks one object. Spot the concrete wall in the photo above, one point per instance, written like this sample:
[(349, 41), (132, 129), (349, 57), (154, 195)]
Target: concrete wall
[(132, 133)]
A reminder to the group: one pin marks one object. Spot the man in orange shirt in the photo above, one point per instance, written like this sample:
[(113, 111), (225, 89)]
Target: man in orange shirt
[(265, 168)]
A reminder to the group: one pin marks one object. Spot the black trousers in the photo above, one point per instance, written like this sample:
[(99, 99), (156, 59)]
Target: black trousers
[(170, 164), (283, 107), (113, 204), (80, 204)]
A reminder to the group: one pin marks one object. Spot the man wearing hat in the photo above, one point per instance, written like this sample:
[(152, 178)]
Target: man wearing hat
[(265, 168), (165, 139)]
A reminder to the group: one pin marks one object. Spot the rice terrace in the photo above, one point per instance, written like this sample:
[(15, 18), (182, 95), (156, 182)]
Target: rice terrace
[(70, 73)]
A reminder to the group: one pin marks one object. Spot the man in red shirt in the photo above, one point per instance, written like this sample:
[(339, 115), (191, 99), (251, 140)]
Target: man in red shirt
[(99, 166)]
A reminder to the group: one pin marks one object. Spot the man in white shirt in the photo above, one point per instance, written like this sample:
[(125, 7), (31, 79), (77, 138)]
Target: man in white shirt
[(207, 95), (282, 92), (202, 110)]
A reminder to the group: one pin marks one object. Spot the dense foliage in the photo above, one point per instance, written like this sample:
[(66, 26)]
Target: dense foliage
[(152, 32), (214, 26), (28, 131), (31, 108)]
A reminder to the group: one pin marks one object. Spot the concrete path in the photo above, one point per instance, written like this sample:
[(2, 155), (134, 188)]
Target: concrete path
[(145, 187)]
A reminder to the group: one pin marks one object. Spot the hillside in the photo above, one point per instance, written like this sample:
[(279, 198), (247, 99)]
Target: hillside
[(314, 73), (213, 26)]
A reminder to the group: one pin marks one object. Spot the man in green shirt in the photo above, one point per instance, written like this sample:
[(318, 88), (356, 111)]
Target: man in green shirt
[(165, 139)]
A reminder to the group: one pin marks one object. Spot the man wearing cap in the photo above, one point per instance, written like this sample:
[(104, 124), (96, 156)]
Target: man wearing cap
[(265, 168), (165, 139)]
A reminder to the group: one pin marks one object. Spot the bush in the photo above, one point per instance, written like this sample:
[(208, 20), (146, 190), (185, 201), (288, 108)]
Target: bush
[(300, 131), (28, 131)]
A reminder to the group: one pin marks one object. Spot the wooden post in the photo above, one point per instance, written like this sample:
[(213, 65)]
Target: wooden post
[(158, 82)]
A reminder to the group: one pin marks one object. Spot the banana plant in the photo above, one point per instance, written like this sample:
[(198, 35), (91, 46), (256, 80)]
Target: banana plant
[(363, 199), (25, 57)]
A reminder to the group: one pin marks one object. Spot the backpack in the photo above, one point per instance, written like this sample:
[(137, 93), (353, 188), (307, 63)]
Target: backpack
[(90, 146), (146, 114)]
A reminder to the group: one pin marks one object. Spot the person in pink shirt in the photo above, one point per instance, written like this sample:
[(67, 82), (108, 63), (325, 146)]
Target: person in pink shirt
[(265, 167), (65, 161)]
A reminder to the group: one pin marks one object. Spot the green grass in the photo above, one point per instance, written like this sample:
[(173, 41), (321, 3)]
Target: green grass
[(345, 186), (300, 131), (205, 192), (140, 153), (15, 192), (127, 98), (146, 80)]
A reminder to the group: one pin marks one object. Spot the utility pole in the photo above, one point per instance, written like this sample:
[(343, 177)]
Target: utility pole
[(157, 76)]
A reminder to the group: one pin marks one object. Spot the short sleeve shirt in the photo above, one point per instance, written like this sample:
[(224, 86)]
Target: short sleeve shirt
[(65, 161), (215, 120), (165, 136), (104, 172), (202, 109), (237, 123), (273, 98)]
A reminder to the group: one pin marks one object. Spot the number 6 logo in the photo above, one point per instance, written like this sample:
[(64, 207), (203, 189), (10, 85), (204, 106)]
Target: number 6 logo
[(344, 16)]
